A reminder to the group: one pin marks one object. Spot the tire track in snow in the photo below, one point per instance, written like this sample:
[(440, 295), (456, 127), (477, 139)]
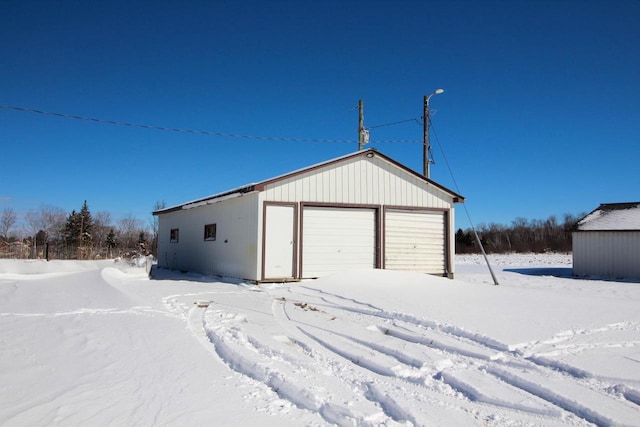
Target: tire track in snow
[(378, 375), (281, 364), (362, 308), (557, 390), (401, 364), (483, 349)]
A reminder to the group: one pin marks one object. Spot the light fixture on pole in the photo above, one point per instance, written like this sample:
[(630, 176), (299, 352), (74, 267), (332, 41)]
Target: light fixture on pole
[(425, 145)]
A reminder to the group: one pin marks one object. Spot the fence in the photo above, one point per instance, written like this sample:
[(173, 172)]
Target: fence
[(51, 251)]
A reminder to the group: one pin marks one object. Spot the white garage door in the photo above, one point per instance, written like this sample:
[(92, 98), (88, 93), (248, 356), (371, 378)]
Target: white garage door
[(337, 239), (415, 240)]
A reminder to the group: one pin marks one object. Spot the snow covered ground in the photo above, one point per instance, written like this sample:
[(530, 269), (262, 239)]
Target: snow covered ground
[(99, 343)]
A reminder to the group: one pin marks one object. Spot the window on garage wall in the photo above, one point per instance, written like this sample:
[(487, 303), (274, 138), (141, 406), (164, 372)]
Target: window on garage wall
[(210, 232), (174, 235)]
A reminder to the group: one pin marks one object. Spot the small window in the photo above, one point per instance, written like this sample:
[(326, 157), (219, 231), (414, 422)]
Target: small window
[(210, 232), (175, 233)]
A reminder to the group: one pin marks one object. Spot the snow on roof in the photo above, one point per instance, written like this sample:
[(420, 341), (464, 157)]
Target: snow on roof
[(612, 216)]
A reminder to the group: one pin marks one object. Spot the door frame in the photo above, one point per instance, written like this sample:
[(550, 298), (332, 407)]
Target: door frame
[(294, 236), (377, 227), (447, 230)]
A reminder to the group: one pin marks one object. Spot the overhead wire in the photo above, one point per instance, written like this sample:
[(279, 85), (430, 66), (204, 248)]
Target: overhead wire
[(455, 183), (394, 123), (194, 131)]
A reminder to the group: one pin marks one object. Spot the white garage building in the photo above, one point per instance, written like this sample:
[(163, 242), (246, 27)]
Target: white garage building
[(606, 242), (360, 211)]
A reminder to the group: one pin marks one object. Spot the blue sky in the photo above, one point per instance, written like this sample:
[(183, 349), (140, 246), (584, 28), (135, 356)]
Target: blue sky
[(540, 116)]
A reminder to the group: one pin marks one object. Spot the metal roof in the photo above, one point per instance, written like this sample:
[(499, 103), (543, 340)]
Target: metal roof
[(612, 217)]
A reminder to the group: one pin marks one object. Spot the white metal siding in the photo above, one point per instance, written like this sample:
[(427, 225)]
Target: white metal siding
[(613, 254), (361, 181), (337, 239), (234, 253), (415, 240)]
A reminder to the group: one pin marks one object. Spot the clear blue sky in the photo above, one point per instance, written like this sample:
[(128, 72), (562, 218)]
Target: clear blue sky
[(541, 114)]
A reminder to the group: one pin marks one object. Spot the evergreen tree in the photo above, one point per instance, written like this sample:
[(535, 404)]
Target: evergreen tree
[(79, 227), (86, 224), (72, 229)]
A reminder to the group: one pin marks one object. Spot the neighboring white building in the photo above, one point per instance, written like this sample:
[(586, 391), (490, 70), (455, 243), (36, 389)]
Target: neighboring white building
[(360, 211), (607, 242)]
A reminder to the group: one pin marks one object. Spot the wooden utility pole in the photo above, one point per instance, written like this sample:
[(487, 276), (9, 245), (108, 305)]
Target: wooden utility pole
[(425, 145), (360, 125), (425, 138)]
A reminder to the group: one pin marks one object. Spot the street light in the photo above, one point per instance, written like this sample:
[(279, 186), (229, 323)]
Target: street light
[(425, 145)]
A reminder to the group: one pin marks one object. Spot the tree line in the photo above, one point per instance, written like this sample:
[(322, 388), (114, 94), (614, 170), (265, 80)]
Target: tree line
[(82, 234), (550, 235), (50, 232)]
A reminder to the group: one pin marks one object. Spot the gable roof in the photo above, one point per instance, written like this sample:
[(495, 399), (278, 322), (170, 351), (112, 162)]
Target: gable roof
[(260, 186), (612, 217)]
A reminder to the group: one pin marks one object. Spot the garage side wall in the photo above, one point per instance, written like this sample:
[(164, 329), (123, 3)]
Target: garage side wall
[(614, 254), (233, 252)]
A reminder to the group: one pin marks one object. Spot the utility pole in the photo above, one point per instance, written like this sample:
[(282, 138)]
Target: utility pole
[(425, 128), (361, 141), (425, 138)]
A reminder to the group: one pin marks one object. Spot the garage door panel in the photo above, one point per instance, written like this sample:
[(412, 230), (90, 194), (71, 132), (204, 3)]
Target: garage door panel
[(337, 239), (415, 240)]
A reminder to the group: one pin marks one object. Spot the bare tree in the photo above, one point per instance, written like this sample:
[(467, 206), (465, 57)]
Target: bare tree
[(7, 221), (101, 228), (129, 228), (160, 204), (33, 222), (53, 221)]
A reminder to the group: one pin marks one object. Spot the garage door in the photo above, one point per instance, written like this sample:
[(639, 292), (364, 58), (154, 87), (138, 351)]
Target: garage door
[(415, 241), (337, 239)]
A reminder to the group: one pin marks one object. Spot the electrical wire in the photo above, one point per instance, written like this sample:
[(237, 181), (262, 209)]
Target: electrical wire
[(394, 123), (455, 183), (192, 131)]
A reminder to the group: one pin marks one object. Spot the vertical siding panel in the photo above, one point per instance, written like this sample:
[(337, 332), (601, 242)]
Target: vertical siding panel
[(343, 182), (372, 178), (389, 189), (382, 194), (287, 189), (326, 186), (306, 188), (365, 176), (351, 173), (331, 192), (313, 184), (358, 194)]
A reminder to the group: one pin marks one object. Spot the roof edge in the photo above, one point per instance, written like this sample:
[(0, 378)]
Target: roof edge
[(209, 199)]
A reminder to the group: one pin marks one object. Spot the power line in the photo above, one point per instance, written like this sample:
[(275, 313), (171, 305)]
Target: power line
[(464, 205), (394, 123), (191, 131)]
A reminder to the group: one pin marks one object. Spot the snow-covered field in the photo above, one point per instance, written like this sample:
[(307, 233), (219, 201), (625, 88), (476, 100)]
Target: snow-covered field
[(99, 343)]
